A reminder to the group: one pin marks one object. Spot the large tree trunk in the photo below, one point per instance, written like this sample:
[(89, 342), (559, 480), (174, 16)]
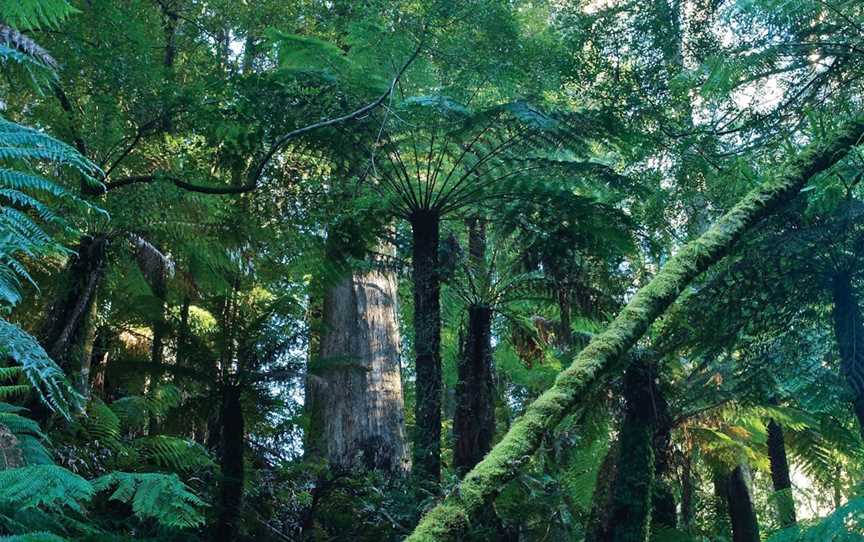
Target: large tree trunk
[(599, 359), (68, 314), (427, 345), (739, 498), (354, 386), (474, 420), (232, 447), (630, 516), (849, 330), (780, 475)]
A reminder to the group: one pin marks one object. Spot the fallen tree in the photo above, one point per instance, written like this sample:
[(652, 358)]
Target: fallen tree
[(453, 515)]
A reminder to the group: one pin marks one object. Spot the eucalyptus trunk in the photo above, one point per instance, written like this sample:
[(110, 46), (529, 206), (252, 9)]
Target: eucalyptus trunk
[(474, 419), (354, 385), (780, 478), (602, 356), (739, 498), (849, 330), (425, 226)]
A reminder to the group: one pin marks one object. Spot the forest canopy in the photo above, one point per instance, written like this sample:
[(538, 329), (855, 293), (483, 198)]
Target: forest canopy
[(431, 270)]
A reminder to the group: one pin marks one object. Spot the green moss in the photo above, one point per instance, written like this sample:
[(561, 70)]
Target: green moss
[(449, 518)]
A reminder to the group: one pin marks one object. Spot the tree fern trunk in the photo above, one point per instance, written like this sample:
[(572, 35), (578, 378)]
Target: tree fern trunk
[(599, 358), (849, 330), (67, 314), (474, 419), (630, 516), (742, 516), (780, 475), (427, 344), (232, 448)]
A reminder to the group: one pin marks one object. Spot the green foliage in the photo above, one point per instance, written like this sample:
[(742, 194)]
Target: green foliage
[(162, 497)]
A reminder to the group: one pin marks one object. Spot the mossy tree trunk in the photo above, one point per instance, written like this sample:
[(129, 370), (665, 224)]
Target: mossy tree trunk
[(780, 475), (630, 516), (425, 227), (739, 499), (68, 314), (601, 356), (474, 419), (849, 331)]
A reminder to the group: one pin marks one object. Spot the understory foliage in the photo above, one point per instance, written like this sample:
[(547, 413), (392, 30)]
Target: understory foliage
[(558, 270)]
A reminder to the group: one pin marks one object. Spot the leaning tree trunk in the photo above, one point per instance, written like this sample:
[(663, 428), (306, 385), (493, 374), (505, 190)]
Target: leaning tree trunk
[(425, 227), (231, 463), (474, 419), (600, 357), (780, 475), (739, 498), (354, 385), (630, 515), (849, 330)]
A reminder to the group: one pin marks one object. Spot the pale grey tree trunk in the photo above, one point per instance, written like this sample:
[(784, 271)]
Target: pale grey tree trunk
[(354, 388)]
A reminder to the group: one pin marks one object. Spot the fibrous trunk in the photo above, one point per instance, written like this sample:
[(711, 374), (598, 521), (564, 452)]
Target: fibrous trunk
[(232, 447), (427, 343), (600, 358), (67, 315), (474, 419), (780, 475), (630, 516), (354, 387), (739, 498), (849, 330)]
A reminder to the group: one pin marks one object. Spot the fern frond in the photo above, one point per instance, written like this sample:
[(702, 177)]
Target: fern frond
[(47, 486), (163, 497), (177, 454), (45, 376)]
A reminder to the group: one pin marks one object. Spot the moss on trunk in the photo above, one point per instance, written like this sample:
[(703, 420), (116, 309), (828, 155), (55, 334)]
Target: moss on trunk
[(452, 516)]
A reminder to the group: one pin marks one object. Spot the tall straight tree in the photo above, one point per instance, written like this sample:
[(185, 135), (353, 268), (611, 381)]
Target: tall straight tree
[(437, 158)]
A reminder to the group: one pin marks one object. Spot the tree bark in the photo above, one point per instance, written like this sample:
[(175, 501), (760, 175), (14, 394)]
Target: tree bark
[(68, 313), (425, 227), (849, 331), (354, 386), (745, 527), (474, 420), (780, 475), (232, 447), (630, 516), (600, 357)]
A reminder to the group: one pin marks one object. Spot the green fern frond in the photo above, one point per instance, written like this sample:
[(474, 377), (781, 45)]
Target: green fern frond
[(162, 497), (177, 454), (35, 14), (45, 376), (47, 486)]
